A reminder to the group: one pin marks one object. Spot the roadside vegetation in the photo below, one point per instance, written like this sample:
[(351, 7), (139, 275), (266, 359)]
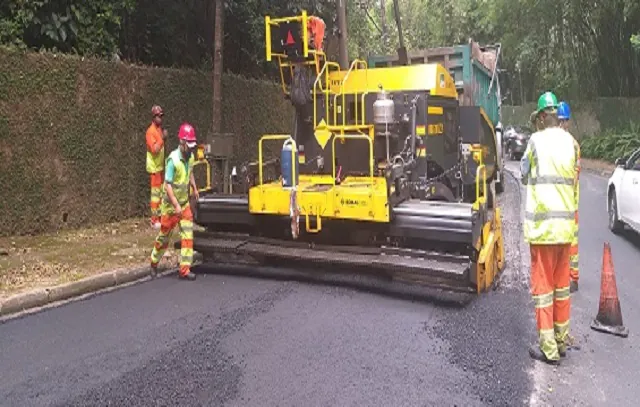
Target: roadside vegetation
[(612, 144), (28, 262)]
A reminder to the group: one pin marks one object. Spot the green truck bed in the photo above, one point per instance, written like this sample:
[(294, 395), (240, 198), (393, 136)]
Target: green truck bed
[(473, 67)]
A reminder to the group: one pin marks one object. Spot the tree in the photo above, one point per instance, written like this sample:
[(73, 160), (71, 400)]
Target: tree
[(580, 48)]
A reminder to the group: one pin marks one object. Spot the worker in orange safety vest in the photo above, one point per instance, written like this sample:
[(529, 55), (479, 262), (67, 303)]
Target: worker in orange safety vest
[(316, 27), (155, 138)]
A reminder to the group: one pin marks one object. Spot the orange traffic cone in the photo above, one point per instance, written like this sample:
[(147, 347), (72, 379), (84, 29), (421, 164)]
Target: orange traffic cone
[(609, 318)]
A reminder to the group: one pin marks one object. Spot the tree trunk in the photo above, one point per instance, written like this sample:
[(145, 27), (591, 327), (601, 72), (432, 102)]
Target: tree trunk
[(218, 41), (383, 24), (343, 58), (402, 51)]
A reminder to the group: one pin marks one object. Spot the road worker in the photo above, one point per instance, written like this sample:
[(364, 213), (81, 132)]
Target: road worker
[(535, 122), (316, 27), (175, 208), (548, 169), (155, 138), (564, 115)]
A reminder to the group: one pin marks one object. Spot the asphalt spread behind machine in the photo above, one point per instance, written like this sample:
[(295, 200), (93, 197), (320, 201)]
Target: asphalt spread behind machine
[(376, 177)]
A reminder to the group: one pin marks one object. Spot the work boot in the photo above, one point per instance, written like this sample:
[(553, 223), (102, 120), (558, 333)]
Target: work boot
[(573, 286), (536, 353), (569, 344), (154, 270), (189, 276)]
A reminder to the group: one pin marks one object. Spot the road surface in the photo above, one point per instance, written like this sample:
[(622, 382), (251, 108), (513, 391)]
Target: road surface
[(239, 341)]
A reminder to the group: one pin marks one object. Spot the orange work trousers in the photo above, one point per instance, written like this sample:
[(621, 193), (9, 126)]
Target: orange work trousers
[(550, 289), (156, 195), (573, 259)]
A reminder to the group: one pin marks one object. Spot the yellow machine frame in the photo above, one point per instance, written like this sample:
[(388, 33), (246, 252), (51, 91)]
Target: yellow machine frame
[(318, 56), (318, 196), (361, 198)]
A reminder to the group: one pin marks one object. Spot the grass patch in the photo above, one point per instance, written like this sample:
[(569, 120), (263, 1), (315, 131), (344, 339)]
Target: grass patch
[(28, 262)]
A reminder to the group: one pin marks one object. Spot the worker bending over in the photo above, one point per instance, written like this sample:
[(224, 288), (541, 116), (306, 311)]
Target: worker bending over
[(155, 138), (548, 169), (175, 206), (564, 115)]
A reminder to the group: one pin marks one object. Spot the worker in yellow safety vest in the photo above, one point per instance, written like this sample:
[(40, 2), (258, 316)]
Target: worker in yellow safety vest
[(564, 115), (175, 207), (548, 169), (155, 138)]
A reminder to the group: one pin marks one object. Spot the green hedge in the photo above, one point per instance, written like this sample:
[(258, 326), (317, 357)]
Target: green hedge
[(72, 150), (595, 117), (610, 146)]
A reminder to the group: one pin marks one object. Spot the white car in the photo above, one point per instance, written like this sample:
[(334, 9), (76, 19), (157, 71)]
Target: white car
[(623, 198)]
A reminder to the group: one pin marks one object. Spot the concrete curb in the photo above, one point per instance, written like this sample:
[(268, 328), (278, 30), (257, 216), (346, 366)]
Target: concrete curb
[(41, 297), (602, 173)]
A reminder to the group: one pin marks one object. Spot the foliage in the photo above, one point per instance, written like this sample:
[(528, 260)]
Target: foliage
[(588, 118), (612, 145), (578, 48), (72, 131), (83, 27), (635, 41)]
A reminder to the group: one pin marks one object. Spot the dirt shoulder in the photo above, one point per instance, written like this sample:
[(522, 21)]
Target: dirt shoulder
[(29, 262), (603, 168)]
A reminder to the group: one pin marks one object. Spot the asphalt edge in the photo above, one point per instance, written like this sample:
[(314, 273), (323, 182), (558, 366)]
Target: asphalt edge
[(585, 165), (43, 298)]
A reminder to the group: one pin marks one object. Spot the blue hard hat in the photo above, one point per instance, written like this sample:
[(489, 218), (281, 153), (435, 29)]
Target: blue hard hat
[(564, 111)]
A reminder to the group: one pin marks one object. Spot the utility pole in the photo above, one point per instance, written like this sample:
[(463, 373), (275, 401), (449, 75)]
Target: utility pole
[(217, 142), (403, 57), (343, 58), (218, 41)]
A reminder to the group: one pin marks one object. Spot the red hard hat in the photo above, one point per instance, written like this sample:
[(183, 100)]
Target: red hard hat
[(188, 134), (156, 110)]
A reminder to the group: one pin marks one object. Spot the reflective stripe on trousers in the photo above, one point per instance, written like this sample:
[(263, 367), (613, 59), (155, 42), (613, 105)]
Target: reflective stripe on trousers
[(551, 297), (156, 180), (185, 225)]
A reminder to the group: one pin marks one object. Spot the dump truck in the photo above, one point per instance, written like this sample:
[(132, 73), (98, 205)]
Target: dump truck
[(474, 69), (381, 174)]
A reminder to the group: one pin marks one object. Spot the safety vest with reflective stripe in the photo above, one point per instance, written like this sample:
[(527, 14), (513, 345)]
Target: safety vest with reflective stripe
[(551, 200), (155, 162), (180, 184)]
